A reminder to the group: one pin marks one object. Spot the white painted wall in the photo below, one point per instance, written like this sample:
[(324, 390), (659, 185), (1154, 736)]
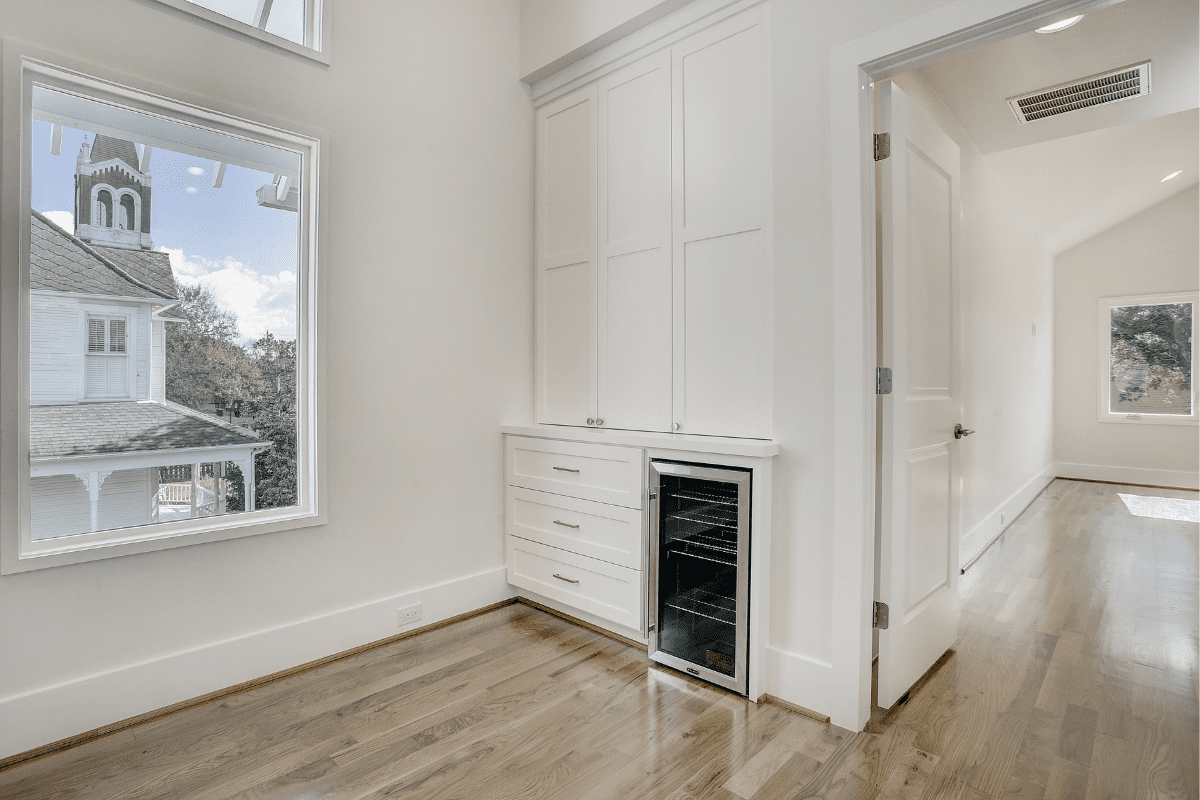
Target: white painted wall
[(428, 324), (56, 349), (1007, 370), (60, 505), (557, 32), (1153, 252), (158, 360)]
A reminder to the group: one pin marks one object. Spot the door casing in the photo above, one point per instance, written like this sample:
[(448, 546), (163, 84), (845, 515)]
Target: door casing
[(854, 67)]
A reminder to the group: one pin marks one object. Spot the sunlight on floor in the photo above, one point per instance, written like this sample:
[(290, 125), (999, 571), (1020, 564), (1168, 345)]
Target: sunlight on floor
[(1162, 507)]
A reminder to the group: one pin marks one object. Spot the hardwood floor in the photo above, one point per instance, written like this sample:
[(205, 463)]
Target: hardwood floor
[(1075, 676)]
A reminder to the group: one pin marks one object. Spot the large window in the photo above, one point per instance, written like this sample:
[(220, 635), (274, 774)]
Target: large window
[(301, 26), (165, 266), (1147, 348)]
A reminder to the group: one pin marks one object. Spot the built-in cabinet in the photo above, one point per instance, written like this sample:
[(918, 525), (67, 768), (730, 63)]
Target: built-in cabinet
[(574, 526), (653, 259)]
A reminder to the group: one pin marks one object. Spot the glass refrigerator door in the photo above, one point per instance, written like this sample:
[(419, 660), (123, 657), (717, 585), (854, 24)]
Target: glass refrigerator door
[(702, 544)]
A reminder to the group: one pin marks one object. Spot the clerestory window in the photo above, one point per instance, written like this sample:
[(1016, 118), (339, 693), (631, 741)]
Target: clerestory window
[(301, 26)]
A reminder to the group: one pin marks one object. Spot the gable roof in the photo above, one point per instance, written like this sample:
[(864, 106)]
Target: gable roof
[(61, 263), (106, 147)]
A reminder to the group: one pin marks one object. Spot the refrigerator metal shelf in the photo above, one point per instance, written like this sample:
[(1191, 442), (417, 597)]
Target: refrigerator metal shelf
[(708, 497), (704, 602)]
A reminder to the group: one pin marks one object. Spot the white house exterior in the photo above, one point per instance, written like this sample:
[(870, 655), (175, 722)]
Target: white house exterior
[(100, 424)]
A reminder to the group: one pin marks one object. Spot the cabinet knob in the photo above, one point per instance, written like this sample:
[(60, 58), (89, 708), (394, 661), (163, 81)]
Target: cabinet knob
[(599, 422), (591, 421), (675, 426)]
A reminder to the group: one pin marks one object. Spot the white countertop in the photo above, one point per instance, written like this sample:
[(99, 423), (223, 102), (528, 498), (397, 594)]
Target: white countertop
[(721, 445)]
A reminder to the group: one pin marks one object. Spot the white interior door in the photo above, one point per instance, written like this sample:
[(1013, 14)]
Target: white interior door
[(920, 460)]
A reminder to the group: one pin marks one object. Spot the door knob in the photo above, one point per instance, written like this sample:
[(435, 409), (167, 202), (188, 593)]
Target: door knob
[(960, 431)]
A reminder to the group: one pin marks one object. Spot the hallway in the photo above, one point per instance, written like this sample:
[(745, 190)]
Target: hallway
[(1074, 677)]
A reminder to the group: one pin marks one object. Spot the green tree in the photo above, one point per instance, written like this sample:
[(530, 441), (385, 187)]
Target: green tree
[(204, 362), (1156, 339)]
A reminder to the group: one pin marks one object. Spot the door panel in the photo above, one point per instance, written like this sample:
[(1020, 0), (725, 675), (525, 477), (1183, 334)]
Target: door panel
[(724, 336), (566, 259), (919, 514), (722, 243), (634, 317)]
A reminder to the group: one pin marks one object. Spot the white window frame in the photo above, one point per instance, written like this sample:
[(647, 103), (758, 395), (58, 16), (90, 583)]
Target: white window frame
[(1104, 350), (317, 27), (23, 67), (108, 313)]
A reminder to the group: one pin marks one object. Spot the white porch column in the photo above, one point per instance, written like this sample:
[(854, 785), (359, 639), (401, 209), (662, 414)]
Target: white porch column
[(93, 480), (195, 491), (247, 467), (219, 485)]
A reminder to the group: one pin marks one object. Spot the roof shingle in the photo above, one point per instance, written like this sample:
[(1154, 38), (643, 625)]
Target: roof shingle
[(126, 427), (106, 147), (59, 262)]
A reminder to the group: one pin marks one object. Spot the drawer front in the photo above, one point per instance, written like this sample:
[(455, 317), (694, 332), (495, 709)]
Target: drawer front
[(600, 472), (597, 587), (609, 533)]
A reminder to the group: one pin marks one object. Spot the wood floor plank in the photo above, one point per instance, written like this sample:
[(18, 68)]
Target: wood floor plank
[(1073, 677)]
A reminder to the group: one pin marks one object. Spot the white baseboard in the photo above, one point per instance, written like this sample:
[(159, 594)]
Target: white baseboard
[(977, 539), (52, 713), (1149, 477), (812, 684)]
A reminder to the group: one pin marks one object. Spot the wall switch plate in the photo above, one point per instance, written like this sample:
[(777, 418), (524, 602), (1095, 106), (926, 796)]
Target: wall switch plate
[(408, 615)]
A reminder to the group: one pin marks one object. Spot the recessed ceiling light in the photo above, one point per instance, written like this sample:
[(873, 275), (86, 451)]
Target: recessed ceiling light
[(1174, 174), (1060, 26)]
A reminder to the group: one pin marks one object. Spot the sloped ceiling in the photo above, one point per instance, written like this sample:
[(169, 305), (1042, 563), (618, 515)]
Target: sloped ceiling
[(976, 84), (1086, 170)]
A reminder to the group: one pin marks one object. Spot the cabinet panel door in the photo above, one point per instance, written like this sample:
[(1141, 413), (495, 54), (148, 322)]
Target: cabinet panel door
[(566, 259), (634, 227), (726, 338), (721, 253)]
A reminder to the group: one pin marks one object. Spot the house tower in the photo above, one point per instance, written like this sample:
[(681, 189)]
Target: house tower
[(112, 195)]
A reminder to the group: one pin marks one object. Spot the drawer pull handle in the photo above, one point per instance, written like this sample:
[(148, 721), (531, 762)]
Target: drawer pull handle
[(566, 469), (561, 578), (565, 524)]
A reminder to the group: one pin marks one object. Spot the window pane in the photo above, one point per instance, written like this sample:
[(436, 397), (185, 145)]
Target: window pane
[(1151, 359), (95, 335), (185, 269), (116, 336), (285, 18)]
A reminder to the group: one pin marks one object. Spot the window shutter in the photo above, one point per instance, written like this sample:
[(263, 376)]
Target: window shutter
[(116, 336), (117, 378), (97, 377), (95, 342)]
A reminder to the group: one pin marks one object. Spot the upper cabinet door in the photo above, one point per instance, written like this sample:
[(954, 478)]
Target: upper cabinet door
[(722, 262), (566, 259), (634, 247)]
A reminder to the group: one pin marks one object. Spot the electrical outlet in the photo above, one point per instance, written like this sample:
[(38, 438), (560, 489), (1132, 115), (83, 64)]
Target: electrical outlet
[(408, 615)]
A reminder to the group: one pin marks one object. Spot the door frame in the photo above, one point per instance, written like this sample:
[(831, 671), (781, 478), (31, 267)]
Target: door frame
[(854, 67)]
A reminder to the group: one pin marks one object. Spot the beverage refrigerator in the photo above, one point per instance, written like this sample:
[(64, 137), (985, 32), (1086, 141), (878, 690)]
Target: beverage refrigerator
[(699, 576)]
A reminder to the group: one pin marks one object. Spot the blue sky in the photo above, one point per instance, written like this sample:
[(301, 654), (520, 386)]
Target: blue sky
[(221, 238)]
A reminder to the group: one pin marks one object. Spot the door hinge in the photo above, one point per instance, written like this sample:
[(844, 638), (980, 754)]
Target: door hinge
[(879, 616), (883, 380), (883, 146)]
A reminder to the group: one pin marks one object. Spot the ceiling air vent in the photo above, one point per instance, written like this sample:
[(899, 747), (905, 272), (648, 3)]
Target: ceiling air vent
[(1120, 84)]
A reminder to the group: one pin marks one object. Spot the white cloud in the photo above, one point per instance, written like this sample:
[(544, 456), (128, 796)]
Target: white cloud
[(63, 219), (261, 302)]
